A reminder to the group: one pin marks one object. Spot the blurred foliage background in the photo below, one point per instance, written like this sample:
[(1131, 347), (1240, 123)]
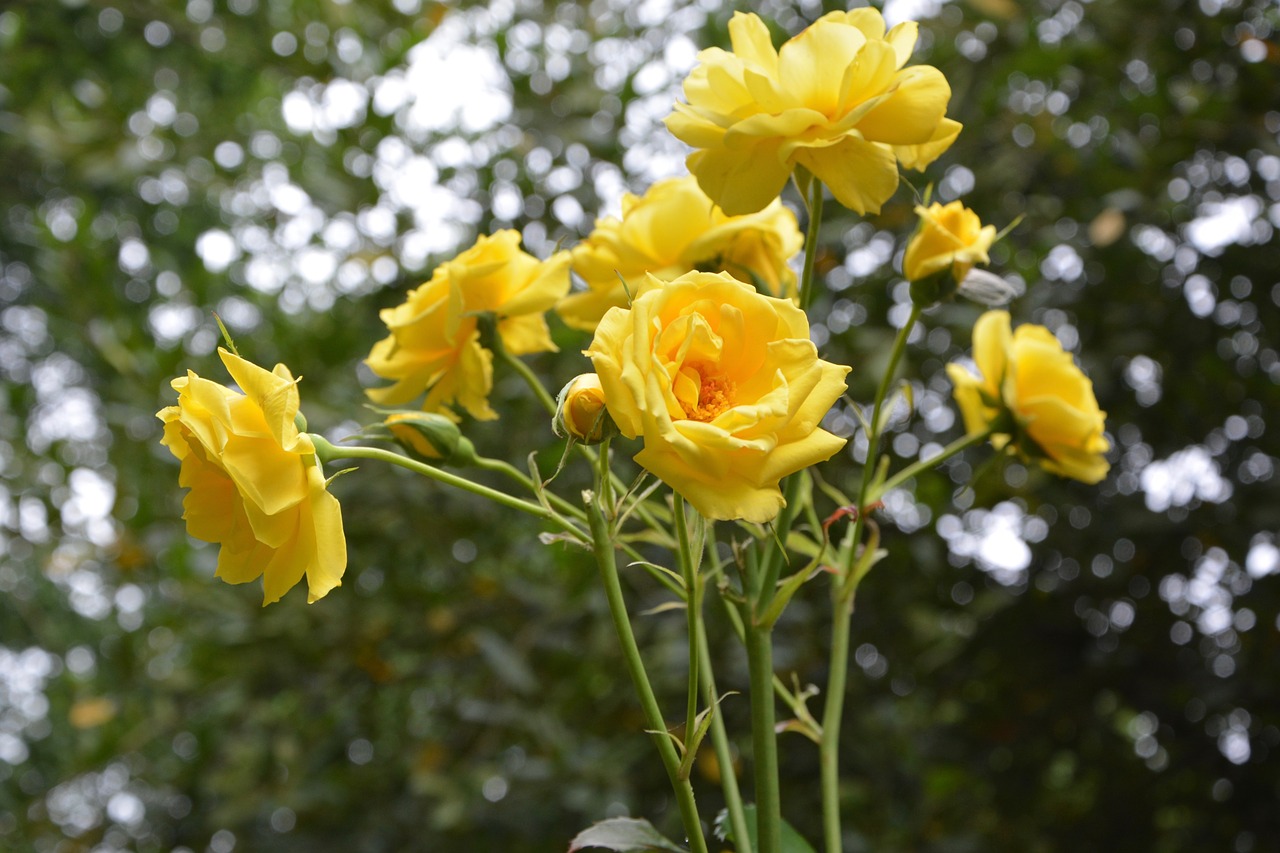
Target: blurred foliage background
[(1040, 665)]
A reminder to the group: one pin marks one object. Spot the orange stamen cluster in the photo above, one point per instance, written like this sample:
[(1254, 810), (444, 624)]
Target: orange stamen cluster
[(714, 396)]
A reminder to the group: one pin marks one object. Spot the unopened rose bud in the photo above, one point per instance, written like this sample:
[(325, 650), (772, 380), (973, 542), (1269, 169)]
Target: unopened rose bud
[(581, 413), (431, 437), (947, 243)]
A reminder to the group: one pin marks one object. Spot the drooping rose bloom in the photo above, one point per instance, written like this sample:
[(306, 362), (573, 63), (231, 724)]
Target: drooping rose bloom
[(256, 487)]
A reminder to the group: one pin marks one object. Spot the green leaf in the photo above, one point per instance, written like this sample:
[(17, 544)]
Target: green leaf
[(625, 835), (792, 841)]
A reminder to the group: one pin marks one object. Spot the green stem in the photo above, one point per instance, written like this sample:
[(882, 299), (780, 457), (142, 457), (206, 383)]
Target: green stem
[(720, 742), (328, 452), (605, 476), (873, 438), (811, 242), (842, 611), (520, 477), (693, 610), (602, 545), (780, 689), (775, 555), (764, 740), (921, 465), (829, 745)]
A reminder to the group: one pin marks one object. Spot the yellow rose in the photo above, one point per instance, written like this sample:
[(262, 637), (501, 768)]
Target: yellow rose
[(949, 236), (673, 229), (725, 388), (256, 487), (434, 345), (835, 99), (580, 410), (1035, 395)]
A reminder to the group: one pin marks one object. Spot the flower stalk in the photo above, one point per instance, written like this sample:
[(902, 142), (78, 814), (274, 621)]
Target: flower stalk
[(603, 548), (814, 203), (693, 611), (842, 596), (329, 452)]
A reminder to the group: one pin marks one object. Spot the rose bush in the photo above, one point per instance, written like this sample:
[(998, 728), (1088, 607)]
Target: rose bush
[(725, 388), (256, 488), (836, 99), (672, 229), (434, 342), (1034, 396)]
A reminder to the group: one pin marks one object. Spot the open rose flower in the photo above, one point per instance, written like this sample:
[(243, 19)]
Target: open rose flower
[(256, 487), (725, 388), (836, 99), (671, 230), (1035, 397), (434, 341)]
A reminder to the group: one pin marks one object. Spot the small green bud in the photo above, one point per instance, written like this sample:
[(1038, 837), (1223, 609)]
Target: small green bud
[(430, 436)]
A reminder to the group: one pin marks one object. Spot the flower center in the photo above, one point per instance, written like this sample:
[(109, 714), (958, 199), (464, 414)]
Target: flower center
[(715, 394)]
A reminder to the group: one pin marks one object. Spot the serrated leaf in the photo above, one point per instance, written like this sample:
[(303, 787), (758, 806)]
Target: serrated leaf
[(624, 835)]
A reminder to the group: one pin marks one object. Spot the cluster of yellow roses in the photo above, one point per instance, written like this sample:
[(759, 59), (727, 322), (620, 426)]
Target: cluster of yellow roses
[(699, 348)]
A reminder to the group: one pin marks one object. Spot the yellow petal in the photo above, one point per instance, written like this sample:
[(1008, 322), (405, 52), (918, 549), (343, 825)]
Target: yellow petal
[(751, 41), (865, 83), (740, 180), (693, 129), (866, 19), (977, 417), (991, 341), (861, 175), (805, 63), (902, 39), (540, 292), (330, 560), (910, 115), (274, 393), (920, 156), (527, 334)]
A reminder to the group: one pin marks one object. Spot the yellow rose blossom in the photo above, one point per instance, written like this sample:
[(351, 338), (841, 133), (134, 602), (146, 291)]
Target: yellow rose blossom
[(256, 487), (580, 410), (950, 236), (725, 388), (835, 99), (434, 341), (1033, 393), (673, 229)]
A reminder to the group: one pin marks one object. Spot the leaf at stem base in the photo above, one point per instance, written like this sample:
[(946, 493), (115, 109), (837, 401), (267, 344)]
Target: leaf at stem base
[(624, 835)]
